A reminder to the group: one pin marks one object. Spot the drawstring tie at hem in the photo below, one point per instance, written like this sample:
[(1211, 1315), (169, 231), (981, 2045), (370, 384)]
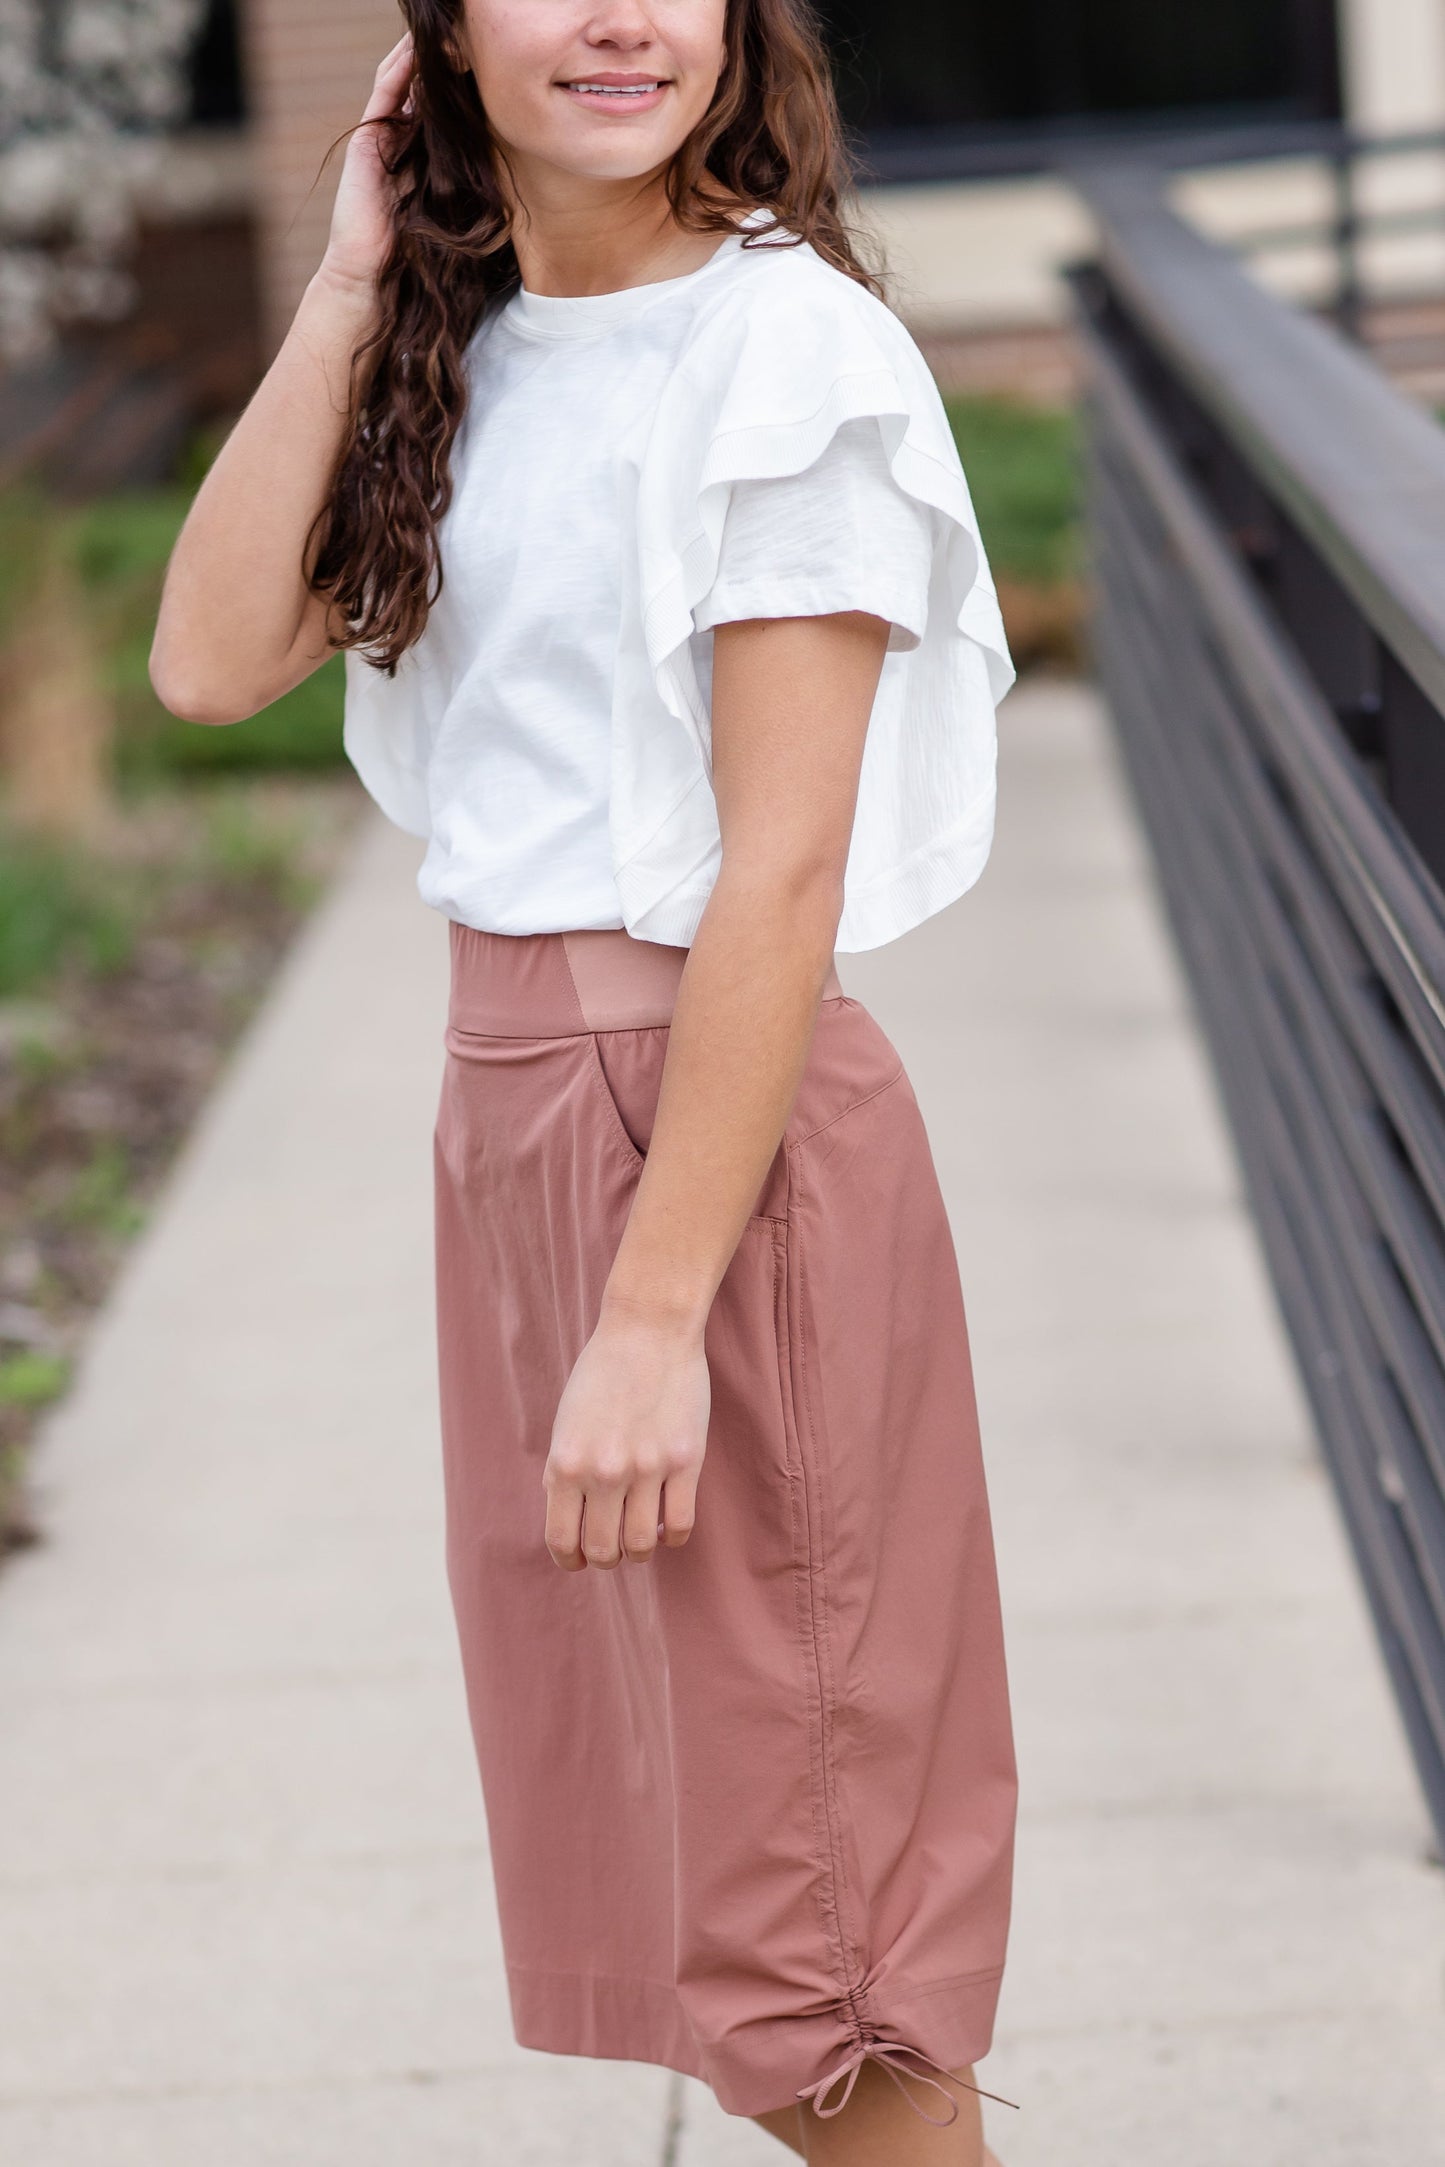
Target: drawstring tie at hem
[(888, 2053)]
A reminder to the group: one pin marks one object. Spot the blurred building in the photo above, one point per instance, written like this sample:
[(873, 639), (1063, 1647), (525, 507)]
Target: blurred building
[(1256, 84), (963, 111), (308, 70)]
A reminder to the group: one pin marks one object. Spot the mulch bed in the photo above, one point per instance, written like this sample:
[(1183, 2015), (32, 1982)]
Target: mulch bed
[(103, 1069)]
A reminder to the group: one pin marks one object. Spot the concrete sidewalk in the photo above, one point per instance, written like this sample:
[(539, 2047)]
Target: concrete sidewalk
[(244, 1911)]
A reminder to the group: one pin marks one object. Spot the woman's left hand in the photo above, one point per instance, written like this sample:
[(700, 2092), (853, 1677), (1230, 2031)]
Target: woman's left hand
[(627, 1443)]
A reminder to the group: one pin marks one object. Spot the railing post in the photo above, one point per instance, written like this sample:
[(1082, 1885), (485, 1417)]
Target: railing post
[(1345, 234)]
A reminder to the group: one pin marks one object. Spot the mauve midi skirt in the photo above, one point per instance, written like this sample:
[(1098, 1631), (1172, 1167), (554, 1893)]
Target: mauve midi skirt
[(750, 1802)]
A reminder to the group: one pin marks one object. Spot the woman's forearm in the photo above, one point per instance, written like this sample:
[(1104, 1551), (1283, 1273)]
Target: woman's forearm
[(791, 699), (744, 1017), (238, 624)]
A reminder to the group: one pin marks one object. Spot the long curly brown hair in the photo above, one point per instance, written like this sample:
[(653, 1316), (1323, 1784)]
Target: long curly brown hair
[(771, 139)]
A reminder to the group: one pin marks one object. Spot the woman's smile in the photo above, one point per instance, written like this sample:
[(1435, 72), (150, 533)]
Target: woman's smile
[(606, 91)]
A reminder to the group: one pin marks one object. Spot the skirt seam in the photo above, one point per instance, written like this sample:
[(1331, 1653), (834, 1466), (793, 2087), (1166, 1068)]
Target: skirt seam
[(814, 1605), (801, 1600), (843, 1112)]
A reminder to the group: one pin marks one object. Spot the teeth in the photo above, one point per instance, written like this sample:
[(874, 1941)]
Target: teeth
[(615, 90)]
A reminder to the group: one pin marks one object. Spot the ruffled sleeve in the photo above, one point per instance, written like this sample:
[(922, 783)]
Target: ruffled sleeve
[(841, 535), (798, 368)]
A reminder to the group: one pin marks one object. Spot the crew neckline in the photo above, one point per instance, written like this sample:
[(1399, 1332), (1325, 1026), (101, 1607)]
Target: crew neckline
[(561, 316)]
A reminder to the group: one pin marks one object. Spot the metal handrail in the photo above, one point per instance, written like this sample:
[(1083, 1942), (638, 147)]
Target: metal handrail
[(1267, 521), (1395, 909), (1359, 468)]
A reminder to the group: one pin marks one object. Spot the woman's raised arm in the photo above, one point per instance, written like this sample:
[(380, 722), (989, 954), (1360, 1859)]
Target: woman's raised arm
[(238, 625)]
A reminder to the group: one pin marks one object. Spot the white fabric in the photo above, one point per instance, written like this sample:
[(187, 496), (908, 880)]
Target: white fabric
[(759, 438), (840, 535)]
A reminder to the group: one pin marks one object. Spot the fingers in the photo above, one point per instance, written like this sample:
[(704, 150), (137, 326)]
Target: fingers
[(679, 1508), (639, 1521), (392, 76), (584, 1526), (563, 1535), (602, 1525)]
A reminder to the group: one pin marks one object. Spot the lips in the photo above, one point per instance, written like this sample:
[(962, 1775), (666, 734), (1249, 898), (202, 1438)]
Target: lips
[(615, 90), (616, 93)]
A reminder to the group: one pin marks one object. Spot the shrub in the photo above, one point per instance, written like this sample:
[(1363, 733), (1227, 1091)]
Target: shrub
[(1022, 473)]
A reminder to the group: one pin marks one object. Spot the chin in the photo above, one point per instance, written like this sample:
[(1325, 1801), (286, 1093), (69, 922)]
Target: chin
[(620, 169), (614, 161)]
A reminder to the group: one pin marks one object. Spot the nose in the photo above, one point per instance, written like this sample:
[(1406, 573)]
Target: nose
[(624, 25)]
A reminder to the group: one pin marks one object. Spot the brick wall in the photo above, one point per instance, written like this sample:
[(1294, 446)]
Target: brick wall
[(309, 66)]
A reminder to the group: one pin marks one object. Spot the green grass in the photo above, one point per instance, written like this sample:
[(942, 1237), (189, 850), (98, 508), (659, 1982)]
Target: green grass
[(1021, 466), (68, 908), (300, 731), (119, 546), (57, 910), (99, 1194), (122, 546), (249, 847), (32, 1380)]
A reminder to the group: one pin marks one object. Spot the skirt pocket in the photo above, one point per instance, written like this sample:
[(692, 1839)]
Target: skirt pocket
[(628, 1080), (628, 1067)]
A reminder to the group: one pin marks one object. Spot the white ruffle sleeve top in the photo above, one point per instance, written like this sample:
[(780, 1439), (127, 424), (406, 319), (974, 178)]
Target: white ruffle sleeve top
[(760, 438)]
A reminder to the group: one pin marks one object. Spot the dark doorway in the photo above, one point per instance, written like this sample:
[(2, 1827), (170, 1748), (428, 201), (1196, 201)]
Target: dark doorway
[(218, 90), (947, 79)]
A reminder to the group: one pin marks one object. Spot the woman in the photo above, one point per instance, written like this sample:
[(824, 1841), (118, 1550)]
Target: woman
[(667, 625)]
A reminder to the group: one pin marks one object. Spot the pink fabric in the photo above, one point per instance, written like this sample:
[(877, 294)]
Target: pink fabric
[(751, 1804), (627, 984)]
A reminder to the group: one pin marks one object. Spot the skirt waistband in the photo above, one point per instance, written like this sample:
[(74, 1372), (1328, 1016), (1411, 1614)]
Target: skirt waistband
[(558, 985)]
